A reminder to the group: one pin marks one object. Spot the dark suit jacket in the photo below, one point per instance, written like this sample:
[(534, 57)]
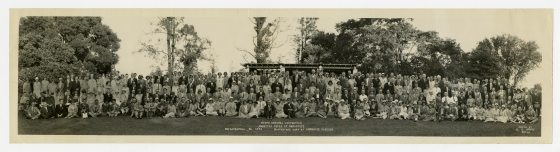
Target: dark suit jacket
[(260, 94), (275, 85), (289, 107), (269, 109), (74, 85), (60, 109), (107, 97), (423, 84), (212, 86), (389, 87)]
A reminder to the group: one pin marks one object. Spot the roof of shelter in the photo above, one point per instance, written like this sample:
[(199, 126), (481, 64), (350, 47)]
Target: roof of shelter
[(277, 65)]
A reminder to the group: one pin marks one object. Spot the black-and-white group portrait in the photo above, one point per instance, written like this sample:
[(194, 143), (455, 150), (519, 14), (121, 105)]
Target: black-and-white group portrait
[(429, 73)]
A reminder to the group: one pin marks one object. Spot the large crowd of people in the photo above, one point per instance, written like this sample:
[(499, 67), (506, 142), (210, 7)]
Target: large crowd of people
[(272, 94)]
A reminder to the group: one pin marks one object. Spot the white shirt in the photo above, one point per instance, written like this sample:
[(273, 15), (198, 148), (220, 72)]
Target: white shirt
[(220, 82), (449, 100)]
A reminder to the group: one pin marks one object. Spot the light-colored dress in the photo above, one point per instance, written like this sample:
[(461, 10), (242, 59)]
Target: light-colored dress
[(254, 111), (243, 111), (343, 112), (280, 110), (210, 110), (230, 109)]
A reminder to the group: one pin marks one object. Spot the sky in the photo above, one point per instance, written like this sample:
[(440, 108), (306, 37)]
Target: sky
[(230, 33)]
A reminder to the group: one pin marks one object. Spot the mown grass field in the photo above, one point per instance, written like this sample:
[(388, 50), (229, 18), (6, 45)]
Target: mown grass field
[(219, 125)]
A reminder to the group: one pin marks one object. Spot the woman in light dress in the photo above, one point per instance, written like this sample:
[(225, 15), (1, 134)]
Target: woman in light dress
[(343, 111), (279, 106), (210, 108), (231, 108), (359, 111), (244, 110), (254, 110)]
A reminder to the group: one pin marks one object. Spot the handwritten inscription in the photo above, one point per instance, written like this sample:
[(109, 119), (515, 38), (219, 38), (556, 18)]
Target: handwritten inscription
[(525, 129)]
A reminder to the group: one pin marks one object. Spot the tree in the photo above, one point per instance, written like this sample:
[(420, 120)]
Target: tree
[(53, 47), (513, 57), (265, 38), (319, 48), (177, 33), (306, 28), (378, 44), (213, 66), (156, 71), (442, 56)]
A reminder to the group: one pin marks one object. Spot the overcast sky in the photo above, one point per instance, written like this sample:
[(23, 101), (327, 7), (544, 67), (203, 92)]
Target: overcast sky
[(229, 33)]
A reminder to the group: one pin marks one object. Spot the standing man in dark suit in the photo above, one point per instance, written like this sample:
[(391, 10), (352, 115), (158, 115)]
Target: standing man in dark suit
[(131, 84), (211, 85), (389, 87), (376, 82), (423, 83), (276, 85), (296, 78), (74, 85), (261, 93)]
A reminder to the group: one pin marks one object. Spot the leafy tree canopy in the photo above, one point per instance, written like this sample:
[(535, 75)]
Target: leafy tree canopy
[(53, 47)]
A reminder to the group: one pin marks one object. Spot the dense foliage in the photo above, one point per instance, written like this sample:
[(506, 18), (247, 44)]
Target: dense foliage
[(394, 45), (53, 47)]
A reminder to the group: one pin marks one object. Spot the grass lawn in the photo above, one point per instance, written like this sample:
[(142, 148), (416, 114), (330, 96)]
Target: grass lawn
[(311, 127)]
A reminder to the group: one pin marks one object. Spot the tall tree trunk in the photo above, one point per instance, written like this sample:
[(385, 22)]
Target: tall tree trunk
[(170, 49)]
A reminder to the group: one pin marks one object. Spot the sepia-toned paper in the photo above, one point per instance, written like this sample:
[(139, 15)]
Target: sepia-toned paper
[(546, 50)]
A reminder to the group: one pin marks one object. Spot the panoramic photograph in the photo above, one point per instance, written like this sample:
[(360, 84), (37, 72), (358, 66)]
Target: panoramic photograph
[(441, 73)]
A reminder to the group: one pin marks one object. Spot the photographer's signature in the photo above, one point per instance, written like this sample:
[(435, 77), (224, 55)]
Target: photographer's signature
[(525, 129)]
